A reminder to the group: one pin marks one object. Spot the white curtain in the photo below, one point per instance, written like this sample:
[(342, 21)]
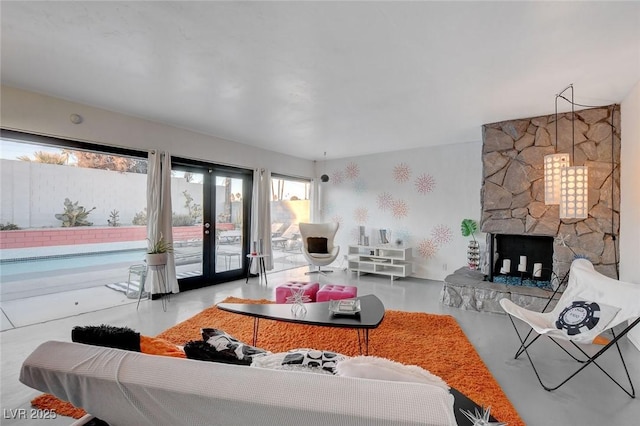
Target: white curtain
[(261, 215), (159, 215), (317, 211)]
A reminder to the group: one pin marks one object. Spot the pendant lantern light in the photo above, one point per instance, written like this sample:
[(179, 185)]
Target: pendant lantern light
[(564, 184)]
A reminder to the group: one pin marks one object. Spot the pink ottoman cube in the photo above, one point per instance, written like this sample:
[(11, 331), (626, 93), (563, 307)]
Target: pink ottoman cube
[(336, 292), (283, 291)]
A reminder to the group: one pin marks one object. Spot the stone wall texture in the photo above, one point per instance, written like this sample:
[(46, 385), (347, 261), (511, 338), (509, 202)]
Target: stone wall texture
[(513, 183)]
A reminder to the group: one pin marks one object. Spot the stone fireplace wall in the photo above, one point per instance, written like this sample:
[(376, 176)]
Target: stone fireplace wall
[(513, 183)]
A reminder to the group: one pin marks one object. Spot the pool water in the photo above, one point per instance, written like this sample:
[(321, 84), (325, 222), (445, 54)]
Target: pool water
[(57, 263)]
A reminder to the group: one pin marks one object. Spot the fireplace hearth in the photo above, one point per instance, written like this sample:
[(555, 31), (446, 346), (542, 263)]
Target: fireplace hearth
[(520, 268)]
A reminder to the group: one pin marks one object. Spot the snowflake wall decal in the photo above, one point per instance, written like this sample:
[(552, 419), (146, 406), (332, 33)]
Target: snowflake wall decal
[(400, 209), (427, 248), (361, 215), (352, 171), (384, 201), (337, 177), (441, 234), (401, 173), (425, 183)]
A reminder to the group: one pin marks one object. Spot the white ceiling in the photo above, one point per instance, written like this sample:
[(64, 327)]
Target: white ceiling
[(348, 78)]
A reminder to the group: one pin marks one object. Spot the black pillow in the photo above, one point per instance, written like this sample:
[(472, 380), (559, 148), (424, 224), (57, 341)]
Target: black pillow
[(317, 245), (107, 336), (227, 348), (202, 351)]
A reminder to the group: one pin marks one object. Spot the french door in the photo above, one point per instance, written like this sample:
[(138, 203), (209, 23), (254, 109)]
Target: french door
[(211, 225)]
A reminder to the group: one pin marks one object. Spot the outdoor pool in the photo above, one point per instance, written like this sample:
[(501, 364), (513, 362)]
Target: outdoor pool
[(11, 268)]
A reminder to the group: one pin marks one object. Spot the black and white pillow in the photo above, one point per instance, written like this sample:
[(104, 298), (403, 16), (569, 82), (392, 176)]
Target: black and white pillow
[(230, 349), (583, 320), (311, 360)]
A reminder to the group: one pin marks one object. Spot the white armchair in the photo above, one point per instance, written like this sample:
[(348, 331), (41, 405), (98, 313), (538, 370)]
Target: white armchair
[(590, 305), (317, 244)]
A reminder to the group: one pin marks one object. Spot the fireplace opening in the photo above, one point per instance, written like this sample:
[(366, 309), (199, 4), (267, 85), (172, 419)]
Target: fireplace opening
[(521, 260)]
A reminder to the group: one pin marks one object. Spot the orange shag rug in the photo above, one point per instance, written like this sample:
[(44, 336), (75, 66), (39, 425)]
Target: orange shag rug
[(434, 342)]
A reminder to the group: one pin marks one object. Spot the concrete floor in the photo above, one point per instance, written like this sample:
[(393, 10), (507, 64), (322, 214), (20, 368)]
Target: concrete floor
[(589, 399)]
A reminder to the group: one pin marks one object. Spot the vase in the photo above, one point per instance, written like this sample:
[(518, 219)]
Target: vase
[(156, 259), (473, 255)]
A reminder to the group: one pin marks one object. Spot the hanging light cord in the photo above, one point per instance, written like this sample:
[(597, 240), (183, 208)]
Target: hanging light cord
[(581, 105), (613, 235), (587, 106), (573, 127), (613, 166)]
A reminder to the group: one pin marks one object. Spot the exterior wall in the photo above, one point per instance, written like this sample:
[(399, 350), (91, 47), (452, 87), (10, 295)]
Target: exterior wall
[(513, 183), (32, 193), (87, 235)]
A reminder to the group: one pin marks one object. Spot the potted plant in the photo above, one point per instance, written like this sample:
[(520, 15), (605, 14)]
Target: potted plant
[(157, 252), (468, 227)]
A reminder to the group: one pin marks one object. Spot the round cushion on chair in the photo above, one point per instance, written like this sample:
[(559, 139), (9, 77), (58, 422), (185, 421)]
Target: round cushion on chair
[(336, 292)]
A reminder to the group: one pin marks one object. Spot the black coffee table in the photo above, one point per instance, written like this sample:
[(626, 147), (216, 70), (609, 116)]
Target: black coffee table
[(370, 316)]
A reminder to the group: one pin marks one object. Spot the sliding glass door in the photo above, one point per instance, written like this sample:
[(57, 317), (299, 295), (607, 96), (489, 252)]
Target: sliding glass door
[(215, 201)]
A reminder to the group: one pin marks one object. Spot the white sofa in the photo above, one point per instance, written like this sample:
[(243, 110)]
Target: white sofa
[(131, 388)]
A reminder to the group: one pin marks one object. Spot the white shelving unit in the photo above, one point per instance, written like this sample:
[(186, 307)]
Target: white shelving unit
[(389, 260)]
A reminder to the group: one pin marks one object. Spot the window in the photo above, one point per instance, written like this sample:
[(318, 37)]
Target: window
[(290, 205), (73, 215)]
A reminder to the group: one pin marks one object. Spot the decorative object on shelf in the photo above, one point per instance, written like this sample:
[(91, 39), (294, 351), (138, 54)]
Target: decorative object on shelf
[(564, 184), (481, 419), (385, 234), (468, 227)]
